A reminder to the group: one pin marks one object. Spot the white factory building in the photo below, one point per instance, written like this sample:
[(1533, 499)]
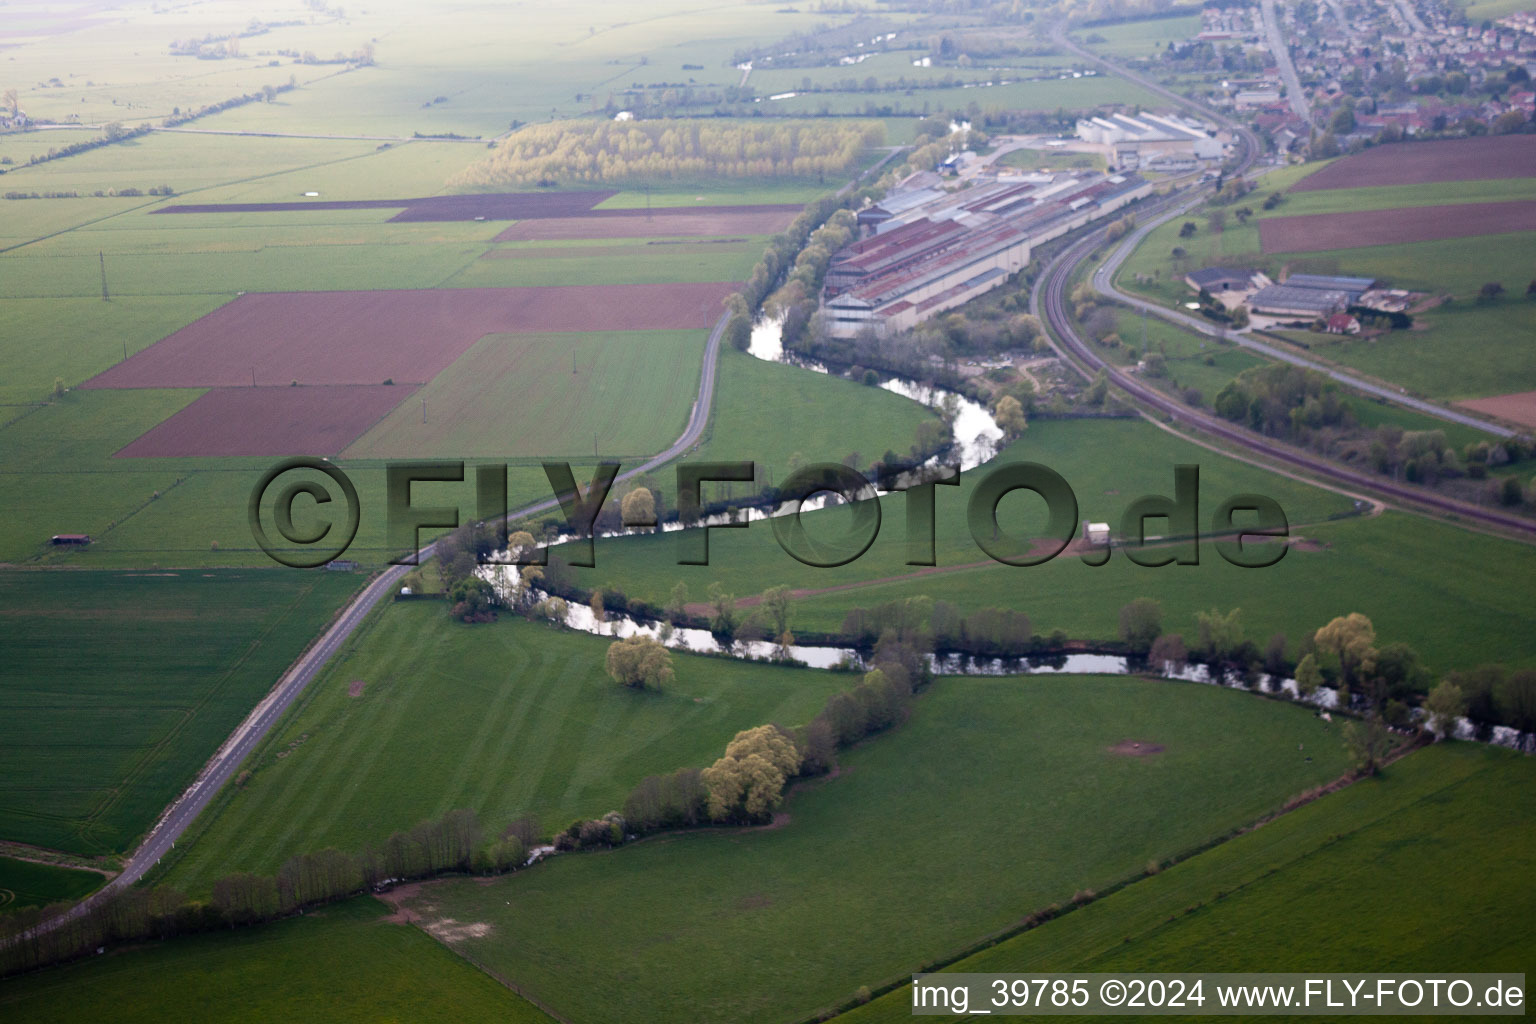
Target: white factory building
[(925, 251), (1150, 141)]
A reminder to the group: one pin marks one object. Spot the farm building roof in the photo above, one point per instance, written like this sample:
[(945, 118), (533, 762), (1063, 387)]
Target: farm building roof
[(1330, 283), (1221, 277), (1284, 298)]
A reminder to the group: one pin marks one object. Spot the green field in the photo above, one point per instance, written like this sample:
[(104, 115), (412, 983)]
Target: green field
[(1465, 350), (1455, 617), (343, 963), (435, 71), (654, 264), (621, 394), (25, 883), (507, 719), (172, 512), (118, 686), (1041, 96), (1446, 597), (1144, 38), (772, 412), (1390, 197), (1321, 889), (1051, 160), (998, 798)]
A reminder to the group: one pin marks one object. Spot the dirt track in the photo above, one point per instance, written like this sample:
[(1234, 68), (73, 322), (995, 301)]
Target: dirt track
[(406, 336), (1413, 163), (1319, 232)]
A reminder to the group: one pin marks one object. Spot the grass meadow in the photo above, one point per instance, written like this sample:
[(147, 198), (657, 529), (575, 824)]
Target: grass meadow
[(435, 71), (1039, 96), (119, 686), (507, 719), (1453, 823), (345, 963), (624, 394), (1143, 38), (772, 413), (26, 883), (1455, 618), (996, 799), (652, 264)]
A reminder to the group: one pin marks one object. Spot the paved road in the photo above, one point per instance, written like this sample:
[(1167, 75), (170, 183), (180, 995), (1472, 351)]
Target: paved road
[(227, 760), (1282, 53)]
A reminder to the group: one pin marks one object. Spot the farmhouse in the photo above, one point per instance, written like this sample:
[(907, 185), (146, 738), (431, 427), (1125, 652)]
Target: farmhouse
[(1343, 323), (926, 251)]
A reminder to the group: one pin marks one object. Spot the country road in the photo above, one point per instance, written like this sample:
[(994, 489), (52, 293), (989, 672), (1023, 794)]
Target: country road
[(1274, 32), (249, 734)]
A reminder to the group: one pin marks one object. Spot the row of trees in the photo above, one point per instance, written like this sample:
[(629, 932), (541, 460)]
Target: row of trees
[(621, 151), (746, 784), (452, 843)]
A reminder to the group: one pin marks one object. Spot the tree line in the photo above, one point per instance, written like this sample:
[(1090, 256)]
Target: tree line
[(454, 842), (746, 784), (625, 151)]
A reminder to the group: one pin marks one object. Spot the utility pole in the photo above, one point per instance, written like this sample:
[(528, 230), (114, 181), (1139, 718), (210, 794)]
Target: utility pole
[(647, 202), (423, 408), (253, 376), (103, 258)]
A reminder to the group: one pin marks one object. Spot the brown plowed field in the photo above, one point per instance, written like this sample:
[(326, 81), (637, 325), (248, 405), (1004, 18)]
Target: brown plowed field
[(663, 223), (1519, 407), (1412, 163), (269, 421), (406, 336), (1317, 232), (490, 206)]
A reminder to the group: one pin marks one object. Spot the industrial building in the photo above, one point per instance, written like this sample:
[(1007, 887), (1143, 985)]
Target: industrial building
[(925, 251), (1311, 296), (1160, 142)]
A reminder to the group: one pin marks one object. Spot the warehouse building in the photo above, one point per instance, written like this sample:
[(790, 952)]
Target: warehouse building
[(1151, 141), (1308, 303), (1311, 296), (928, 251)]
